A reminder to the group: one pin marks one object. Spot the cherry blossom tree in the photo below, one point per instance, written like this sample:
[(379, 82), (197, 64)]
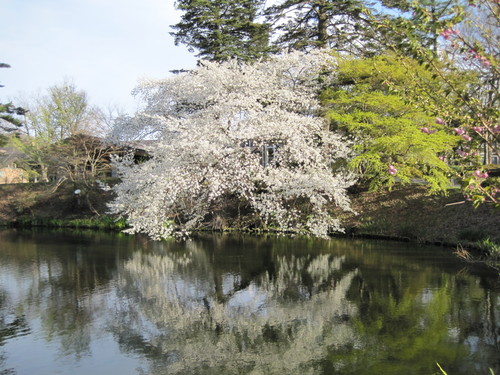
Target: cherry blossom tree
[(251, 133)]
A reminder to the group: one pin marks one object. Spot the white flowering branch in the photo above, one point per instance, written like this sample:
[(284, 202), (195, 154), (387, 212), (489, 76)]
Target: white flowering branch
[(214, 126)]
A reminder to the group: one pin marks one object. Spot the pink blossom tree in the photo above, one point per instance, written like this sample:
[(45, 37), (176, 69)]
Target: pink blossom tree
[(467, 45)]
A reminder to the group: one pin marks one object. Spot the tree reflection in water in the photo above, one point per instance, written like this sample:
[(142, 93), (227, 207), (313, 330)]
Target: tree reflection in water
[(238, 304), (282, 321), (56, 286)]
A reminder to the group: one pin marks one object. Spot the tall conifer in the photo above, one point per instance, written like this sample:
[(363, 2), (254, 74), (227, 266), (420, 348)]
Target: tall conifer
[(219, 30), (341, 25)]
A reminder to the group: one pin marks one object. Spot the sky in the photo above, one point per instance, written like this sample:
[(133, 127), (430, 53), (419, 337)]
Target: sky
[(103, 46)]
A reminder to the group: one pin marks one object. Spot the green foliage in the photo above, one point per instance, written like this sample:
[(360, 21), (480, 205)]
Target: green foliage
[(9, 111), (222, 29), (414, 27), (9, 115), (429, 17), (375, 226), (340, 25), (38, 156), (365, 102), (465, 43), (490, 248)]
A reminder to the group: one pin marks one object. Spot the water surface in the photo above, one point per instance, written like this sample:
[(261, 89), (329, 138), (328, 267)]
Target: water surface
[(96, 303)]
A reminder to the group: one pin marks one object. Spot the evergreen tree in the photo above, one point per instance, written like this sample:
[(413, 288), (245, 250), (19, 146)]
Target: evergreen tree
[(428, 20), (222, 29), (340, 25), (8, 113), (409, 26)]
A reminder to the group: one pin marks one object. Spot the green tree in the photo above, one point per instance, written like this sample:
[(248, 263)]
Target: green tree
[(395, 140), (340, 25), (7, 113), (468, 45), (222, 29), (432, 12), (9, 116), (416, 18)]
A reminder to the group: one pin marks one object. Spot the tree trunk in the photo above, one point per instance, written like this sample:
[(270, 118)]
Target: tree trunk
[(322, 24)]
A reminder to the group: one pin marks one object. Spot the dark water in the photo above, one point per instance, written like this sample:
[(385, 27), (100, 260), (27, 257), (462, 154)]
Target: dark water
[(94, 303)]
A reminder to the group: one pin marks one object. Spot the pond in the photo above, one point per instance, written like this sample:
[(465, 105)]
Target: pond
[(97, 303)]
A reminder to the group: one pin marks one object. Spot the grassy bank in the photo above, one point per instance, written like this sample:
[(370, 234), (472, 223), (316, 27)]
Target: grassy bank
[(409, 214), (105, 222)]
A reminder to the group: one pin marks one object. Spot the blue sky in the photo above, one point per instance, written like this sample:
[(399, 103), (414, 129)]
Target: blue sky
[(103, 46)]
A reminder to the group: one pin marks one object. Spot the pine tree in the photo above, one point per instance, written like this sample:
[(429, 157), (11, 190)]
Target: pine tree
[(222, 29), (408, 26), (340, 25), (8, 113), (429, 18)]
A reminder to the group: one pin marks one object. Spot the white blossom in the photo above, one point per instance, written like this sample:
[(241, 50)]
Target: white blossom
[(212, 125)]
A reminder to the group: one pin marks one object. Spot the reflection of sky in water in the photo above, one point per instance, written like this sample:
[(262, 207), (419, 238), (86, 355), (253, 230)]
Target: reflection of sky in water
[(427, 296), (229, 281), (251, 300), (36, 355), (473, 342), (19, 280)]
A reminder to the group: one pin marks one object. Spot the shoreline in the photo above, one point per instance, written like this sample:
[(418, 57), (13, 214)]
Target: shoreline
[(405, 214)]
